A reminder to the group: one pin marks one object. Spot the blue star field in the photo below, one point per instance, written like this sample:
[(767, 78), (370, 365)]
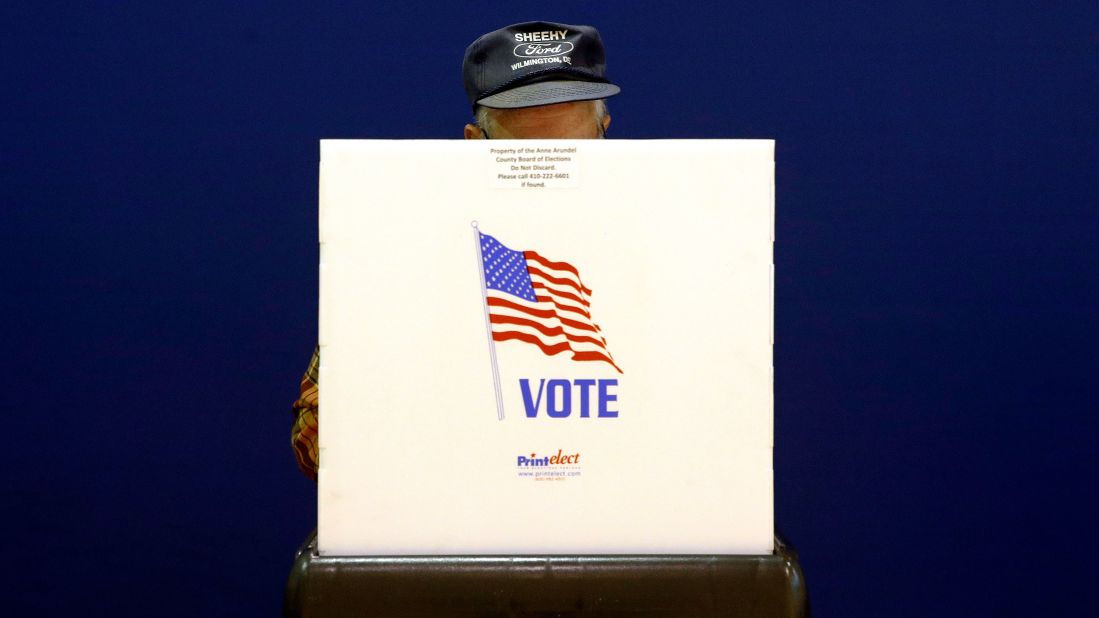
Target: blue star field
[(506, 269)]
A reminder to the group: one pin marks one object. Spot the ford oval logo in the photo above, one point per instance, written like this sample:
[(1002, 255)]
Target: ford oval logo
[(542, 50)]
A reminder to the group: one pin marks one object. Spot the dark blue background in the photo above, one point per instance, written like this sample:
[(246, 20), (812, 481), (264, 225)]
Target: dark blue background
[(936, 278)]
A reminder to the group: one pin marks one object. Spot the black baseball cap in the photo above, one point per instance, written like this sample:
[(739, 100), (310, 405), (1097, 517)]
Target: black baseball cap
[(536, 63)]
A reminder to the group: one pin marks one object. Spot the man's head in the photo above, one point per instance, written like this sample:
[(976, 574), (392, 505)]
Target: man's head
[(537, 80)]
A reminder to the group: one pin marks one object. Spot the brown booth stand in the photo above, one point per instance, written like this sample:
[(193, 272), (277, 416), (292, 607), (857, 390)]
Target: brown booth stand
[(562, 586)]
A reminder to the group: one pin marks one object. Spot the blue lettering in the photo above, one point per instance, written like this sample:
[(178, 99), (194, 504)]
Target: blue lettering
[(605, 398), (566, 399), (558, 397), (531, 405), (583, 385)]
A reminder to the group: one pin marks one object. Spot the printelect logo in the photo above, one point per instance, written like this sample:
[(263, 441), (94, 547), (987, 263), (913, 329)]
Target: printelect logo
[(560, 459)]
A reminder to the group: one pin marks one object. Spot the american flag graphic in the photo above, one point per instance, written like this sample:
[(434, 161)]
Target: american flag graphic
[(540, 302)]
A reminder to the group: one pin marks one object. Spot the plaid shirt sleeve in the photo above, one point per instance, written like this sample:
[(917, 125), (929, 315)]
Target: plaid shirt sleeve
[(303, 435)]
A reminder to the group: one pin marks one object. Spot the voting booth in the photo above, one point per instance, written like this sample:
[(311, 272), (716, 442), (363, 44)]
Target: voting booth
[(546, 360)]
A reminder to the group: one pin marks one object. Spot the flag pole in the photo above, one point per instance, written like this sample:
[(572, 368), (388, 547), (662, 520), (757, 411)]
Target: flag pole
[(488, 324)]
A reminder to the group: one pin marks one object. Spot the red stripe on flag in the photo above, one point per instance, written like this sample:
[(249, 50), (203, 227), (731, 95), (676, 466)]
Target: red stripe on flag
[(500, 302), (558, 280), (564, 307), (551, 350), (564, 320), (579, 325), (533, 255), (548, 331), (595, 356), (542, 313), (542, 286)]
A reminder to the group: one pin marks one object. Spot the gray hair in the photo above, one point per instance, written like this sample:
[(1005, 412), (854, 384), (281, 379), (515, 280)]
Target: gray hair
[(483, 117)]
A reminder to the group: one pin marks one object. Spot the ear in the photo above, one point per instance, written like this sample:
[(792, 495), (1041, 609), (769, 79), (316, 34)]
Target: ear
[(606, 122), (473, 131)]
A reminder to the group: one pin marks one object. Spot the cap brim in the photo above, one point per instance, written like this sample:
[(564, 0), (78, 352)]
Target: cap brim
[(548, 93)]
